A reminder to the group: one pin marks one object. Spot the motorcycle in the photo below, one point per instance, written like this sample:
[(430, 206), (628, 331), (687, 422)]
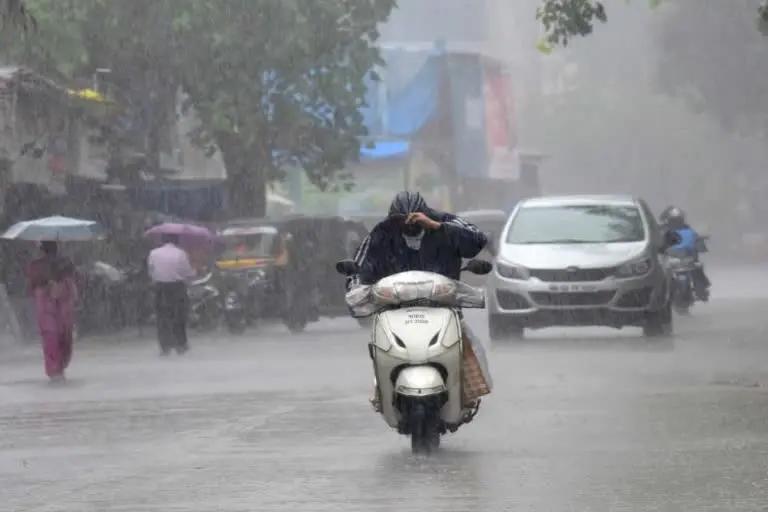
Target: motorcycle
[(242, 293), (235, 316), (683, 263), (205, 306), (417, 349)]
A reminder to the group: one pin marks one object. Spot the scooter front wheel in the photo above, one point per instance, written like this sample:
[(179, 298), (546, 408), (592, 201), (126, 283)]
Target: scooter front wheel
[(425, 436)]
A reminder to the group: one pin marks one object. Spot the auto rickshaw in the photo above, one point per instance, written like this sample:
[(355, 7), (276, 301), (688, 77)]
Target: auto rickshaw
[(316, 244), (288, 265), (250, 257)]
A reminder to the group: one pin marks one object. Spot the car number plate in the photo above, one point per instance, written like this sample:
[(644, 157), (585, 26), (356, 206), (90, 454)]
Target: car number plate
[(573, 288)]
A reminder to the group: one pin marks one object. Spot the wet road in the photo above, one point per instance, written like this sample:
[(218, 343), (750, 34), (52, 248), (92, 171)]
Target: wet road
[(581, 420)]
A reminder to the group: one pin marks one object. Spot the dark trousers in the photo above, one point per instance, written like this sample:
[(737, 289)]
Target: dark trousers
[(171, 303)]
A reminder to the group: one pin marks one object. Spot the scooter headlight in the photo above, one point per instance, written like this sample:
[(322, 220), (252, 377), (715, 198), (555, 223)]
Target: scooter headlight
[(380, 338), (449, 339)]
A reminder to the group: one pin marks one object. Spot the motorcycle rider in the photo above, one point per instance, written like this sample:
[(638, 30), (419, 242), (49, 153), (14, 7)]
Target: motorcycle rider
[(673, 219), (415, 237)]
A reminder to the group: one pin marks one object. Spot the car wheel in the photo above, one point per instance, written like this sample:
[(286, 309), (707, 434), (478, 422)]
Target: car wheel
[(501, 328), (659, 323)]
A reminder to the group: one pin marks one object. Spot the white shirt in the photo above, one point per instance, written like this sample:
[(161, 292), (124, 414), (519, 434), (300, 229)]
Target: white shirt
[(169, 264)]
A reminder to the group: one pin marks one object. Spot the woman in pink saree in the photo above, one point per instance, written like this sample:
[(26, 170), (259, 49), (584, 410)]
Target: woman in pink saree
[(51, 281)]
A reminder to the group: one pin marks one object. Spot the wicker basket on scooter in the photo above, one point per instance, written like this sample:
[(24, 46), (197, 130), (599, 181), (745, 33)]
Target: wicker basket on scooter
[(475, 383)]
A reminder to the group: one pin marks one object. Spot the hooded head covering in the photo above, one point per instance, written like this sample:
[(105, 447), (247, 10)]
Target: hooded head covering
[(403, 204)]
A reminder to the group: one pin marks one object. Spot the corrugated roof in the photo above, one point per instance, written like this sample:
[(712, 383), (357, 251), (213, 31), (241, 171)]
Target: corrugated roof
[(29, 81)]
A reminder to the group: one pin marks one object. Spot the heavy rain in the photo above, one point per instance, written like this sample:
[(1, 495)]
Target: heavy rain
[(368, 255)]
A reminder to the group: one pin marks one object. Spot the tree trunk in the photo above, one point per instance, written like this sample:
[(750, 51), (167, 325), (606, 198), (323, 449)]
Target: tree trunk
[(245, 178)]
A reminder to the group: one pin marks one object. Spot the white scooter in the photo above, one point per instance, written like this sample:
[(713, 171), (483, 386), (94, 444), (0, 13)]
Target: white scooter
[(417, 348)]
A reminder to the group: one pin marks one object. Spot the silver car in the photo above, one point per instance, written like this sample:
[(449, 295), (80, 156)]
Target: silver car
[(580, 260)]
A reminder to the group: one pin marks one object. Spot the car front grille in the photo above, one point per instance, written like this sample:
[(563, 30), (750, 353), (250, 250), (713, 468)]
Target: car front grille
[(600, 298), (636, 298), (570, 276), (511, 301)]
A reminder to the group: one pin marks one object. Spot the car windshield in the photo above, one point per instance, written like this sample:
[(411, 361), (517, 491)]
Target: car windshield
[(577, 224), (258, 245)]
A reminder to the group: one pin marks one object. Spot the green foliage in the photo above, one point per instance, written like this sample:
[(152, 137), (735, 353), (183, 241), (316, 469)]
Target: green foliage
[(55, 46), (564, 19), (14, 13), (292, 91), (267, 77)]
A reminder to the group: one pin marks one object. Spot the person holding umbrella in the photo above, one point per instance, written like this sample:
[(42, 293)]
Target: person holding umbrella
[(170, 270), (51, 282)]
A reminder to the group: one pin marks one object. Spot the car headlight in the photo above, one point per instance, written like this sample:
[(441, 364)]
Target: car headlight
[(509, 271), (635, 268)]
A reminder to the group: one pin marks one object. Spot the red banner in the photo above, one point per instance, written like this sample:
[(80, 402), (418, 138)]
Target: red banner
[(497, 113), (501, 135)]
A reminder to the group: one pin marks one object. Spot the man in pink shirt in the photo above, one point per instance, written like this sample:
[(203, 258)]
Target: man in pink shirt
[(169, 269)]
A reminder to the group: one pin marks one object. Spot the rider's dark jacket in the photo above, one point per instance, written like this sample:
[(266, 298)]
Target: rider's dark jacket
[(384, 251)]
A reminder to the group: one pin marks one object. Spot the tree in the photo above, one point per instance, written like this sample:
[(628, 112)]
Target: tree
[(276, 82), (564, 19), (289, 93), (14, 13)]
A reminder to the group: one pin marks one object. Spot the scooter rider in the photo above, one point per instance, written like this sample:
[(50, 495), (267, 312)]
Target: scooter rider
[(673, 219), (415, 237)]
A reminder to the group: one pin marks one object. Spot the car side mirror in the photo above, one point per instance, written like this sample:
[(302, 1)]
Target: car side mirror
[(347, 267), (670, 239), (479, 267), (491, 245)]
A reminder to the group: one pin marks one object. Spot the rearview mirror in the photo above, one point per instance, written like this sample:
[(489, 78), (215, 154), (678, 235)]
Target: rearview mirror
[(479, 267), (347, 267)]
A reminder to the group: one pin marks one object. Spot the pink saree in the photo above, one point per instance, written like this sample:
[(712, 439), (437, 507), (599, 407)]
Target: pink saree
[(52, 283)]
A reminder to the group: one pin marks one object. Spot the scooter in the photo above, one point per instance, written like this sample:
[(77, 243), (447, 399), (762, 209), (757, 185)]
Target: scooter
[(417, 349)]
